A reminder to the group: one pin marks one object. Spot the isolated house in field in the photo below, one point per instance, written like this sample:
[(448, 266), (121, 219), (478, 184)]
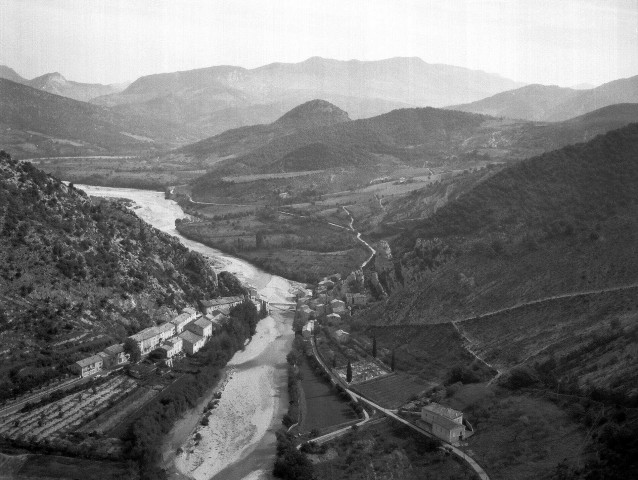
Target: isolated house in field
[(114, 356), (88, 366), (147, 340), (191, 343), (201, 326), (444, 422), (166, 331), (222, 303), (181, 321)]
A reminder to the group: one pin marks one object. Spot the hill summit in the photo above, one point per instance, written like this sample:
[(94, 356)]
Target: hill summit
[(315, 113)]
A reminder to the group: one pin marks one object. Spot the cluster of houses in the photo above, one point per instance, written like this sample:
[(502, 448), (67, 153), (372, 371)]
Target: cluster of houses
[(186, 333)]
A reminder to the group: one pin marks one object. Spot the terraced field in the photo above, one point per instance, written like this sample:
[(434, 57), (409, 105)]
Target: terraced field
[(62, 416)]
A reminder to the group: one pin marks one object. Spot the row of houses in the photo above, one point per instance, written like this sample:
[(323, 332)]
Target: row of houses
[(188, 332)]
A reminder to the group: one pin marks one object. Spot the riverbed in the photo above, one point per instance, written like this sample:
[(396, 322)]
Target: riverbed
[(239, 442)]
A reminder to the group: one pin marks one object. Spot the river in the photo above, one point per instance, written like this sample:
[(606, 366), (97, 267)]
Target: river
[(239, 442)]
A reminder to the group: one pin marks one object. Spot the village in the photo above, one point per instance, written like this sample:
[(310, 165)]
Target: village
[(110, 388), (353, 365)]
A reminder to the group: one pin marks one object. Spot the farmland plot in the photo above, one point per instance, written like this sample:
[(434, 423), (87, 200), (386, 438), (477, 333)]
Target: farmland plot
[(57, 418)]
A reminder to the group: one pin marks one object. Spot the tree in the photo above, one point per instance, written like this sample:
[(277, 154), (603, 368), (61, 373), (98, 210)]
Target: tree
[(374, 346), (349, 372), (132, 348), (263, 311), (392, 361)]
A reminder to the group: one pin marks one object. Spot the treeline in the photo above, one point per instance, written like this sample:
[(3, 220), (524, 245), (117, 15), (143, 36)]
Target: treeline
[(146, 434)]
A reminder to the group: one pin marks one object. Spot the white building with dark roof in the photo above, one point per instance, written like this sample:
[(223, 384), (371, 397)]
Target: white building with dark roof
[(201, 326), (444, 422), (114, 355), (191, 342), (166, 331), (147, 340), (88, 366), (181, 321)]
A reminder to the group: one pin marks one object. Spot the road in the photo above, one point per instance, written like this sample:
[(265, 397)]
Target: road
[(372, 250), (388, 413)]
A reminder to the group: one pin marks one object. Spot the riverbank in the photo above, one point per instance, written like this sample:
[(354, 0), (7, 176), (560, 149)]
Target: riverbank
[(250, 409), (254, 455)]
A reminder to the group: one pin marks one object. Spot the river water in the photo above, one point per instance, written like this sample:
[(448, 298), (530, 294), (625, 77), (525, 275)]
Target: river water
[(239, 442)]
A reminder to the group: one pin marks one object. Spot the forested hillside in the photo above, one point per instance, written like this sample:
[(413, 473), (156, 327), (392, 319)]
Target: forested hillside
[(78, 274)]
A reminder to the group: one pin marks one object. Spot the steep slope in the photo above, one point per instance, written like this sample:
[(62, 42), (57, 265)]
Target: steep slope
[(37, 123), (558, 223), (78, 274), (55, 83), (552, 103), (260, 95)]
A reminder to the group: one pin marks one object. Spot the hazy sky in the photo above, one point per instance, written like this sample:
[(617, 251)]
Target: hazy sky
[(564, 42)]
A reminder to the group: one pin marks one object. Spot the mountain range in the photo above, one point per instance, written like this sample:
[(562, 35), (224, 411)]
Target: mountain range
[(553, 103), (57, 84), (37, 123), (408, 136), (211, 100)]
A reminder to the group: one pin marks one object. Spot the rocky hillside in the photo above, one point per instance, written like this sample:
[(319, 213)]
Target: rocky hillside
[(77, 274), (55, 83)]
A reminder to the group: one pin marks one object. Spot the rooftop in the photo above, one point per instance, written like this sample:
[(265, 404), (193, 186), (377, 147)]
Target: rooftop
[(85, 362), (114, 349), (165, 326), (145, 334), (189, 311), (201, 322), (443, 411), (222, 301), (190, 337), (181, 318)]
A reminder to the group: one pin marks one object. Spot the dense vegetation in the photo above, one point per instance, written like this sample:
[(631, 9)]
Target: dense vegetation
[(79, 274), (146, 434)]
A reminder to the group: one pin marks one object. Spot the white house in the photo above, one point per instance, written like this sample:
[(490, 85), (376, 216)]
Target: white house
[(444, 422), (222, 303), (88, 366), (166, 331), (191, 343), (147, 340), (201, 326), (181, 321), (308, 328)]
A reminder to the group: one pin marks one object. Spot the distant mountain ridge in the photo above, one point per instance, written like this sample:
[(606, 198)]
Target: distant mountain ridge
[(261, 95), (37, 123), (405, 134), (553, 103), (55, 83)]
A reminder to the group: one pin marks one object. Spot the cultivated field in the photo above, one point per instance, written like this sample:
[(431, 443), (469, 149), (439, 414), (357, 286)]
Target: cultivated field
[(324, 408), (392, 391)]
